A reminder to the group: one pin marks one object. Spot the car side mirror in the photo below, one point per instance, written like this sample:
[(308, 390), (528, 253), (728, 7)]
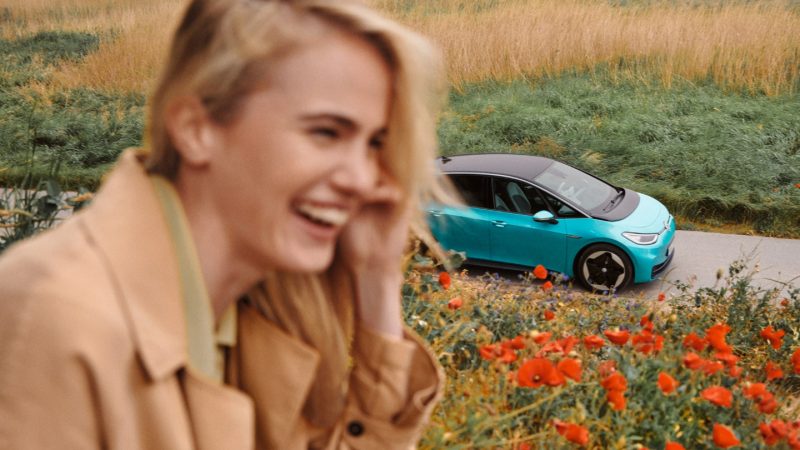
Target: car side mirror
[(544, 216)]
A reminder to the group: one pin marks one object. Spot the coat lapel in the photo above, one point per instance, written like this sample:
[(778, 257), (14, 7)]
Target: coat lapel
[(221, 416), (275, 368)]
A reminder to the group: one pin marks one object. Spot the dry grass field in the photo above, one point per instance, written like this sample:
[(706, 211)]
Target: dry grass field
[(750, 45)]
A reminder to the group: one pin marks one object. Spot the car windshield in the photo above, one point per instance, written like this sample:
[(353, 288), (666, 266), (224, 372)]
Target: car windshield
[(582, 189)]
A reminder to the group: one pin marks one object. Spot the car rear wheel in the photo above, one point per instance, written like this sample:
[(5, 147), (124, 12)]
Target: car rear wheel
[(603, 267)]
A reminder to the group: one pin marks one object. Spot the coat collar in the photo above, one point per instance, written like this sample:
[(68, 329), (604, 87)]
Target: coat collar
[(128, 224)]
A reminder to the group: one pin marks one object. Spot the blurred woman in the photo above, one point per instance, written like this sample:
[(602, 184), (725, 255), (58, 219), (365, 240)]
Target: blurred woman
[(237, 283)]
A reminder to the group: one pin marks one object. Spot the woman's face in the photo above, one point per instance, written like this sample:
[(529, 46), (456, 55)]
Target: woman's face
[(295, 165)]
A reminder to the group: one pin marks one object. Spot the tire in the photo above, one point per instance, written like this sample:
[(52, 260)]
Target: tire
[(603, 267)]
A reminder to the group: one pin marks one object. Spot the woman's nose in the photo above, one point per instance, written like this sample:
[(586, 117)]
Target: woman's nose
[(358, 173)]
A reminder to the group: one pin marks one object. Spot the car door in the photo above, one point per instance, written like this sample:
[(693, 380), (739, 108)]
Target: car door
[(515, 237), (464, 228)]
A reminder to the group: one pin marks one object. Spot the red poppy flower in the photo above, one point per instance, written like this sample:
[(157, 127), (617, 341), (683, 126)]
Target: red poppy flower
[(659, 343), (770, 438), (535, 372), (615, 382), (561, 427), (566, 344), (712, 367), (577, 434), (796, 361), (551, 347), (768, 406), (645, 337), (784, 302), (773, 370), (593, 342), (694, 341), (674, 446), (540, 272), (693, 361), (541, 338), (661, 297), (570, 369), (616, 399), (646, 323), (727, 357), (547, 285), (444, 280), (723, 437), (487, 352), (606, 368), (666, 383), (736, 371), (508, 356), (517, 343), (548, 315), (716, 337), (779, 428), (718, 395), (617, 337), (455, 303), (757, 391), (775, 338)]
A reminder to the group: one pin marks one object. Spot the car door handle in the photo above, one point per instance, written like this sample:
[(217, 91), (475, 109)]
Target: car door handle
[(498, 223), (435, 213)]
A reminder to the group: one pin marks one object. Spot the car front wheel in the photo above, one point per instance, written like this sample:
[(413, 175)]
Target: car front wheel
[(603, 267)]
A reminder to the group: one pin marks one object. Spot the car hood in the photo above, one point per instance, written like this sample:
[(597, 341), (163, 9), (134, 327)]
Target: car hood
[(648, 217)]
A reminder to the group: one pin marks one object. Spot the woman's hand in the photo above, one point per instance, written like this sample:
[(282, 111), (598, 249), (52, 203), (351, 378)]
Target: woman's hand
[(371, 247)]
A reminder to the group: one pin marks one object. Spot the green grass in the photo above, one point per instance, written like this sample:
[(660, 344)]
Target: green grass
[(706, 153)]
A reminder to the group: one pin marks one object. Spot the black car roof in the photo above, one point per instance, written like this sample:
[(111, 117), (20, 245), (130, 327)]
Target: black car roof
[(526, 167)]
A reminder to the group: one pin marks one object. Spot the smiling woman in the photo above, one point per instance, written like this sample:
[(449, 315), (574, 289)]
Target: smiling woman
[(218, 288)]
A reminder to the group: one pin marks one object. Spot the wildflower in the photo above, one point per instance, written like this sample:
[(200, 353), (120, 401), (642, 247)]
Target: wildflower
[(768, 406), (757, 391), (535, 372), (716, 337), (735, 372), (784, 302), (566, 344), (646, 323), (548, 315), (694, 341), (727, 357), (516, 343), (547, 285), (541, 338), (775, 338), (796, 361), (444, 280), (723, 437), (455, 303), (616, 399), (712, 367), (718, 395), (606, 368), (593, 342), (662, 297), (617, 337), (540, 272), (487, 352), (508, 356), (551, 347), (570, 369), (693, 362), (573, 433), (615, 382), (666, 383), (769, 436), (773, 370), (776, 189), (659, 343), (674, 446), (797, 185)]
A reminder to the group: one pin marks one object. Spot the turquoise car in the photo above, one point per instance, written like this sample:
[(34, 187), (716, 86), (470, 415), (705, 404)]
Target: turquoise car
[(522, 211)]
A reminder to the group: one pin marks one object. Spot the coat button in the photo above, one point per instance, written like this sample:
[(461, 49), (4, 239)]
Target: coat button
[(355, 428)]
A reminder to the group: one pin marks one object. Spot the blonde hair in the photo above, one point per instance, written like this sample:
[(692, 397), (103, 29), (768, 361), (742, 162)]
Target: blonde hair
[(221, 51)]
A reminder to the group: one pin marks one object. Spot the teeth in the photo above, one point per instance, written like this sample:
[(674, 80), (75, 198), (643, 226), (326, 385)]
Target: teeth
[(324, 215)]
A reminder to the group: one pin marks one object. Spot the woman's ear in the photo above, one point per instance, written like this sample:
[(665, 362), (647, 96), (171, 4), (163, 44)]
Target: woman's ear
[(192, 132)]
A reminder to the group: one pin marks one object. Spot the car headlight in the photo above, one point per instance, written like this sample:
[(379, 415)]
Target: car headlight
[(641, 238)]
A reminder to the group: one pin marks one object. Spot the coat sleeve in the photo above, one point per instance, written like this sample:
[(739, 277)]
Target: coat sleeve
[(394, 386)]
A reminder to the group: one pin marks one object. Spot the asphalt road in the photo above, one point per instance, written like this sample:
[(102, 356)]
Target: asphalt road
[(699, 255)]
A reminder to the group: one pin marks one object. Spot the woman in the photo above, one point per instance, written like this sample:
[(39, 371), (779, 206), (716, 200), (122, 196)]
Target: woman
[(238, 284)]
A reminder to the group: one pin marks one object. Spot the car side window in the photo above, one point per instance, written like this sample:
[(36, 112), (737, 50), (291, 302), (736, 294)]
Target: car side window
[(516, 196), (561, 208), (473, 189)]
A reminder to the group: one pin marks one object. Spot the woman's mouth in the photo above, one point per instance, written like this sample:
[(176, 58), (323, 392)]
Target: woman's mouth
[(326, 216)]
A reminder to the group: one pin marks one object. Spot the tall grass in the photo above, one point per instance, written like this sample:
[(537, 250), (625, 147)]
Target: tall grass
[(741, 44)]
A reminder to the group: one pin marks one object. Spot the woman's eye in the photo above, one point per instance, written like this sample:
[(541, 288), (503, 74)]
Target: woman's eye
[(327, 133), (376, 144)]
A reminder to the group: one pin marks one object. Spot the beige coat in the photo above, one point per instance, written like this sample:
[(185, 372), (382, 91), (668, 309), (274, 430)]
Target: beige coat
[(93, 351)]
